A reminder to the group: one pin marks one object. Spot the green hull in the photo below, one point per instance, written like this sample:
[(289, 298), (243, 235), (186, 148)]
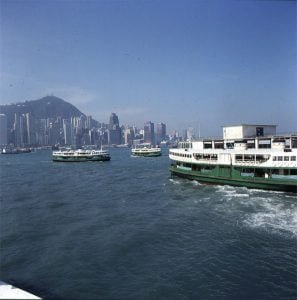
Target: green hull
[(232, 177), (147, 154), (80, 159)]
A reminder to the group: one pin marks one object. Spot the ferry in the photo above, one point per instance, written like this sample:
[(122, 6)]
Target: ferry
[(15, 150), (80, 155), (251, 156), (146, 151)]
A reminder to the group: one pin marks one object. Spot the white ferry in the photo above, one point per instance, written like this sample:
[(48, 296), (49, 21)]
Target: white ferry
[(248, 155), (146, 150), (80, 155)]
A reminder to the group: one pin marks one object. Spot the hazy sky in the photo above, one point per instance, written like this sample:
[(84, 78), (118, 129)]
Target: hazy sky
[(182, 62)]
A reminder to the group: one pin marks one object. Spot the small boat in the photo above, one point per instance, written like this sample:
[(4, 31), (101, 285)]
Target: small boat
[(146, 151), (15, 150), (80, 155)]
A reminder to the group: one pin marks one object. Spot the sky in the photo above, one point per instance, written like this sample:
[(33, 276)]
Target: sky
[(185, 63)]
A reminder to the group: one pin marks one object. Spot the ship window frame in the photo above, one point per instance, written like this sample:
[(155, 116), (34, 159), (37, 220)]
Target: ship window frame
[(249, 157), (293, 158), (279, 158), (239, 157)]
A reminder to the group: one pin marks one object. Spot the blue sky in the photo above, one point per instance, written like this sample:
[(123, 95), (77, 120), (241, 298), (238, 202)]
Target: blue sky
[(183, 62)]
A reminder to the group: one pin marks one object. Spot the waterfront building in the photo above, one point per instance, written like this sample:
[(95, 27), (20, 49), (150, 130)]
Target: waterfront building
[(67, 132), (128, 135), (114, 131), (190, 133), (149, 133), (161, 133), (3, 130)]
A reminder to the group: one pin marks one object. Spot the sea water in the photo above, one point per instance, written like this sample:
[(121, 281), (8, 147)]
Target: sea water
[(126, 229)]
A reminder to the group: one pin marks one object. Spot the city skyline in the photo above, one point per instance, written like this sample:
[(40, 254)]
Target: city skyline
[(43, 122), (199, 64)]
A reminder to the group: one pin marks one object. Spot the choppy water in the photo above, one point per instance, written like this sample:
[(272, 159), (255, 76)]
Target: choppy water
[(125, 229)]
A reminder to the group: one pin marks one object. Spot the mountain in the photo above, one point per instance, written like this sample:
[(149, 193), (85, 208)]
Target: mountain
[(46, 107)]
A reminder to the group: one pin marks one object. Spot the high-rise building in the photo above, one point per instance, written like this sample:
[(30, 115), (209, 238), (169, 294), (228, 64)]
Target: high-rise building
[(67, 132), (161, 133), (149, 133), (3, 130), (113, 121), (114, 132), (190, 133), (128, 135)]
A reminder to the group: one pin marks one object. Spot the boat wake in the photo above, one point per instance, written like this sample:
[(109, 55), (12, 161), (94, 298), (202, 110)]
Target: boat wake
[(273, 216), (175, 181), (272, 211)]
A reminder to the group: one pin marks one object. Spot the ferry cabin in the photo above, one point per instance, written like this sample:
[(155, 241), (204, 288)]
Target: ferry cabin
[(244, 157)]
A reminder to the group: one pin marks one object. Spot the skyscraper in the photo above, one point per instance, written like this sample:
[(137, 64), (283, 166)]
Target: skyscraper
[(149, 133), (3, 130), (114, 131), (161, 133), (113, 121)]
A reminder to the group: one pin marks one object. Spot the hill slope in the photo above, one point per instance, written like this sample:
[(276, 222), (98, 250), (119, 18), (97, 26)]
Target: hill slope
[(46, 107)]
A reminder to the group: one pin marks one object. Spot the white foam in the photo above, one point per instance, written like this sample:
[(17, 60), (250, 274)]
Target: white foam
[(174, 181), (274, 217), (196, 183)]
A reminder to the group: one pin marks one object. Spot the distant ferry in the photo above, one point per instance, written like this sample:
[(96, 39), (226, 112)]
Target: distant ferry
[(15, 150), (146, 150), (252, 156), (81, 155)]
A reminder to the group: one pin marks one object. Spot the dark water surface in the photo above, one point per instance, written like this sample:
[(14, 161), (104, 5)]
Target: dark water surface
[(125, 229)]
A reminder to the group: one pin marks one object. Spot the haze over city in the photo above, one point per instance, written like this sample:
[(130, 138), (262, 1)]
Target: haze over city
[(184, 63)]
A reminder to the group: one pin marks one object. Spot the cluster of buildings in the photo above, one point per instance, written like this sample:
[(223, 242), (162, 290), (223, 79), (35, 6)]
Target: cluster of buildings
[(26, 131)]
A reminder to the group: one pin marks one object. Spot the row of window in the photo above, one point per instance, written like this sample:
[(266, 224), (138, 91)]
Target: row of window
[(205, 156), (284, 158), (181, 154), (267, 172), (250, 172), (248, 157), (238, 157)]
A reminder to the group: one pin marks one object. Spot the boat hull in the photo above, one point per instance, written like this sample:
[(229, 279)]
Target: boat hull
[(80, 159), (232, 179), (152, 154)]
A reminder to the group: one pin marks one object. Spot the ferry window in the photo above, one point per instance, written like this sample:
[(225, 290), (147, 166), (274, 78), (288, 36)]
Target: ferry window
[(279, 158), (198, 156), (286, 158), (293, 158), (238, 157), (293, 172), (207, 145), (274, 158), (260, 158), (249, 157)]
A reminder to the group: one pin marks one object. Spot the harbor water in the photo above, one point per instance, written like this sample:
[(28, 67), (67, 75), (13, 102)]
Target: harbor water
[(126, 229)]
